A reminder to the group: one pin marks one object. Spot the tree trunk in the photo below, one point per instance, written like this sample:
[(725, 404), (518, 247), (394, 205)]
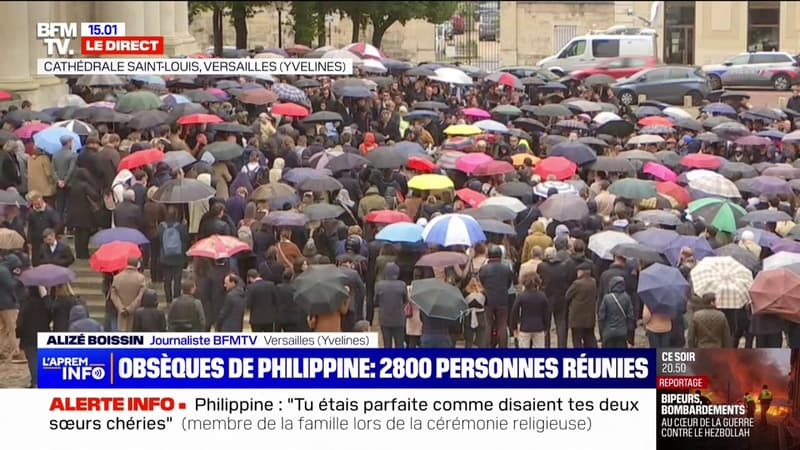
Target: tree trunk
[(379, 29), (217, 30), (239, 19), (303, 23), (357, 20), (321, 32)]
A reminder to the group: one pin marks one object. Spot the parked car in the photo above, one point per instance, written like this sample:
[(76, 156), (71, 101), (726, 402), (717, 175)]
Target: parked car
[(667, 84), (530, 71), (617, 68), (777, 69), (590, 50)]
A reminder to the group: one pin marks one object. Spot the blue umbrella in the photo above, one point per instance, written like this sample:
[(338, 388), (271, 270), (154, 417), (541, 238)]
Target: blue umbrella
[(770, 133), (453, 229), (401, 232), (491, 126), (287, 93), (301, 174), (152, 80), (699, 245), (655, 238), (647, 111), (663, 289), (47, 275), (177, 159), (355, 92), (719, 108), (576, 152), (119, 234), (49, 139), (409, 149), (421, 114), (553, 85)]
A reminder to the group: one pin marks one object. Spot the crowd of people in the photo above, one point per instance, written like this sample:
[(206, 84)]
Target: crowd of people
[(555, 161)]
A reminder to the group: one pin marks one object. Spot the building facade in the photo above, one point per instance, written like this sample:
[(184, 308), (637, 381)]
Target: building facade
[(21, 49)]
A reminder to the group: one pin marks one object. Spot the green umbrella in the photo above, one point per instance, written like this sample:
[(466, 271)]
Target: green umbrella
[(224, 151), (633, 189), (138, 101), (720, 213), (438, 299), (507, 110)]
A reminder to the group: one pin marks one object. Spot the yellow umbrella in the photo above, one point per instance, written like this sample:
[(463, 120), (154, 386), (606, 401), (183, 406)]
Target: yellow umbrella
[(430, 182), (462, 130), (519, 159)]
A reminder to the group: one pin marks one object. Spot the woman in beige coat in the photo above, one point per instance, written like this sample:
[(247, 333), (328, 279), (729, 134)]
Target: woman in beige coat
[(40, 174), (223, 177)]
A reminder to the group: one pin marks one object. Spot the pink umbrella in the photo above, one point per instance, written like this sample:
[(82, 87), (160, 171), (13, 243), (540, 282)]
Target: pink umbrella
[(219, 93), (661, 172), (469, 162), (26, 131), (477, 113)]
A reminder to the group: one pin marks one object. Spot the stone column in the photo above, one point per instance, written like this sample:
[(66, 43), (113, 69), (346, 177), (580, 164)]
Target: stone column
[(152, 18), (182, 42), (15, 73), (131, 13)]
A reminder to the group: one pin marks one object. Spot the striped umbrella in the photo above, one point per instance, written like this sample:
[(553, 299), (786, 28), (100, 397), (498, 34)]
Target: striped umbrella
[(289, 93), (725, 277), (453, 229)]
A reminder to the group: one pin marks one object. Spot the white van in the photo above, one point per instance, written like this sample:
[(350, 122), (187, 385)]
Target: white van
[(587, 51)]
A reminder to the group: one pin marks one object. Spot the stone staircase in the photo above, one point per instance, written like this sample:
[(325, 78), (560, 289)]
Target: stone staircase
[(89, 287)]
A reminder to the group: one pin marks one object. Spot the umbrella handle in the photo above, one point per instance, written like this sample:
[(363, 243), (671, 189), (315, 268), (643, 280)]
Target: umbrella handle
[(70, 291)]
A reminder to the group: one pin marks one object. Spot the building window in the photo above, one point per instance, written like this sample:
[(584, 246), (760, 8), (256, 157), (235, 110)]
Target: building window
[(679, 18), (763, 31)]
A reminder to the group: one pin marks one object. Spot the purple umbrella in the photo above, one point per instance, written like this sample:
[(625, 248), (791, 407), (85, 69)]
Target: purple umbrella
[(765, 185), (47, 275), (785, 245), (656, 238), (301, 174), (698, 244), (119, 234), (285, 219)]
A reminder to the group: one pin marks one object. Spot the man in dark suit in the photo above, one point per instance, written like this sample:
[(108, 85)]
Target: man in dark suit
[(54, 251), (262, 301)]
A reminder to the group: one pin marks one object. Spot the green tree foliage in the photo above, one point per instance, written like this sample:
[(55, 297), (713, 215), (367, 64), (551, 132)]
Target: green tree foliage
[(384, 14), (238, 12)]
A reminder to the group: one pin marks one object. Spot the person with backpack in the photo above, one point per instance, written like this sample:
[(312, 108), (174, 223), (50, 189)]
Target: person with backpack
[(174, 238), (615, 315)]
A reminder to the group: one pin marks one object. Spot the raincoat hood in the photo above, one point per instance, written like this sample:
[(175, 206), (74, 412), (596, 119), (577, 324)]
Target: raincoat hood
[(150, 299), (616, 285), (78, 312), (373, 190), (537, 227), (391, 272)]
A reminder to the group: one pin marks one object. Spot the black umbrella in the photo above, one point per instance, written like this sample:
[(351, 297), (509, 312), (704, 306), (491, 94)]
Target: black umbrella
[(420, 72), (612, 165), (321, 289), (321, 211), (736, 96), (708, 137), (144, 120), (496, 227), (224, 151), (564, 207), (743, 256), (385, 158), (767, 113), (640, 252), (438, 299), (516, 189), (765, 216), (304, 83), (669, 158), (185, 82), (346, 161), (731, 130), (599, 79), (200, 96), (322, 117), (285, 219), (184, 109), (688, 124), (11, 198), (529, 125), (183, 190), (648, 109), (320, 184), (227, 84), (576, 152), (495, 212), (230, 127), (553, 110), (532, 81), (530, 109), (616, 128), (737, 170), (430, 105), (593, 142)]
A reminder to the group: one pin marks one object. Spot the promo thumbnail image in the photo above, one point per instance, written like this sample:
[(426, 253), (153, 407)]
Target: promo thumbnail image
[(729, 399)]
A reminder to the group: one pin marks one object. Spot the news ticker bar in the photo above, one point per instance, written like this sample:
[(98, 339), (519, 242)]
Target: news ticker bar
[(206, 340), (185, 66)]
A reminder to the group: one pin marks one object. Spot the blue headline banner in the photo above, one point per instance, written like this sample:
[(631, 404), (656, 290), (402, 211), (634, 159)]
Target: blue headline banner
[(169, 368)]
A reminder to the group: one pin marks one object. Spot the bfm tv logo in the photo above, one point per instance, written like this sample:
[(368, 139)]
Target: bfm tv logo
[(75, 368), (96, 39)]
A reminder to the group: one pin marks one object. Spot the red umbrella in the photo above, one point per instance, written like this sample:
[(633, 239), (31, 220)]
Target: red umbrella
[(675, 191), (297, 49), (199, 56), (218, 247), (113, 257), (420, 164), (655, 120), (5, 95), (701, 161), (507, 79), (387, 216), (257, 96), (493, 168), (470, 197), (559, 167), (197, 119), (141, 158), (26, 131), (289, 109)]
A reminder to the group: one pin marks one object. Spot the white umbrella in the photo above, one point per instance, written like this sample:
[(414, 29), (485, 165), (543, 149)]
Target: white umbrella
[(373, 65), (342, 54), (491, 125), (602, 243), (699, 174), (512, 203), (716, 186), (605, 116), (541, 189), (781, 259), (451, 76), (645, 139), (794, 136), (70, 100), (675, 112), (728, 279)]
